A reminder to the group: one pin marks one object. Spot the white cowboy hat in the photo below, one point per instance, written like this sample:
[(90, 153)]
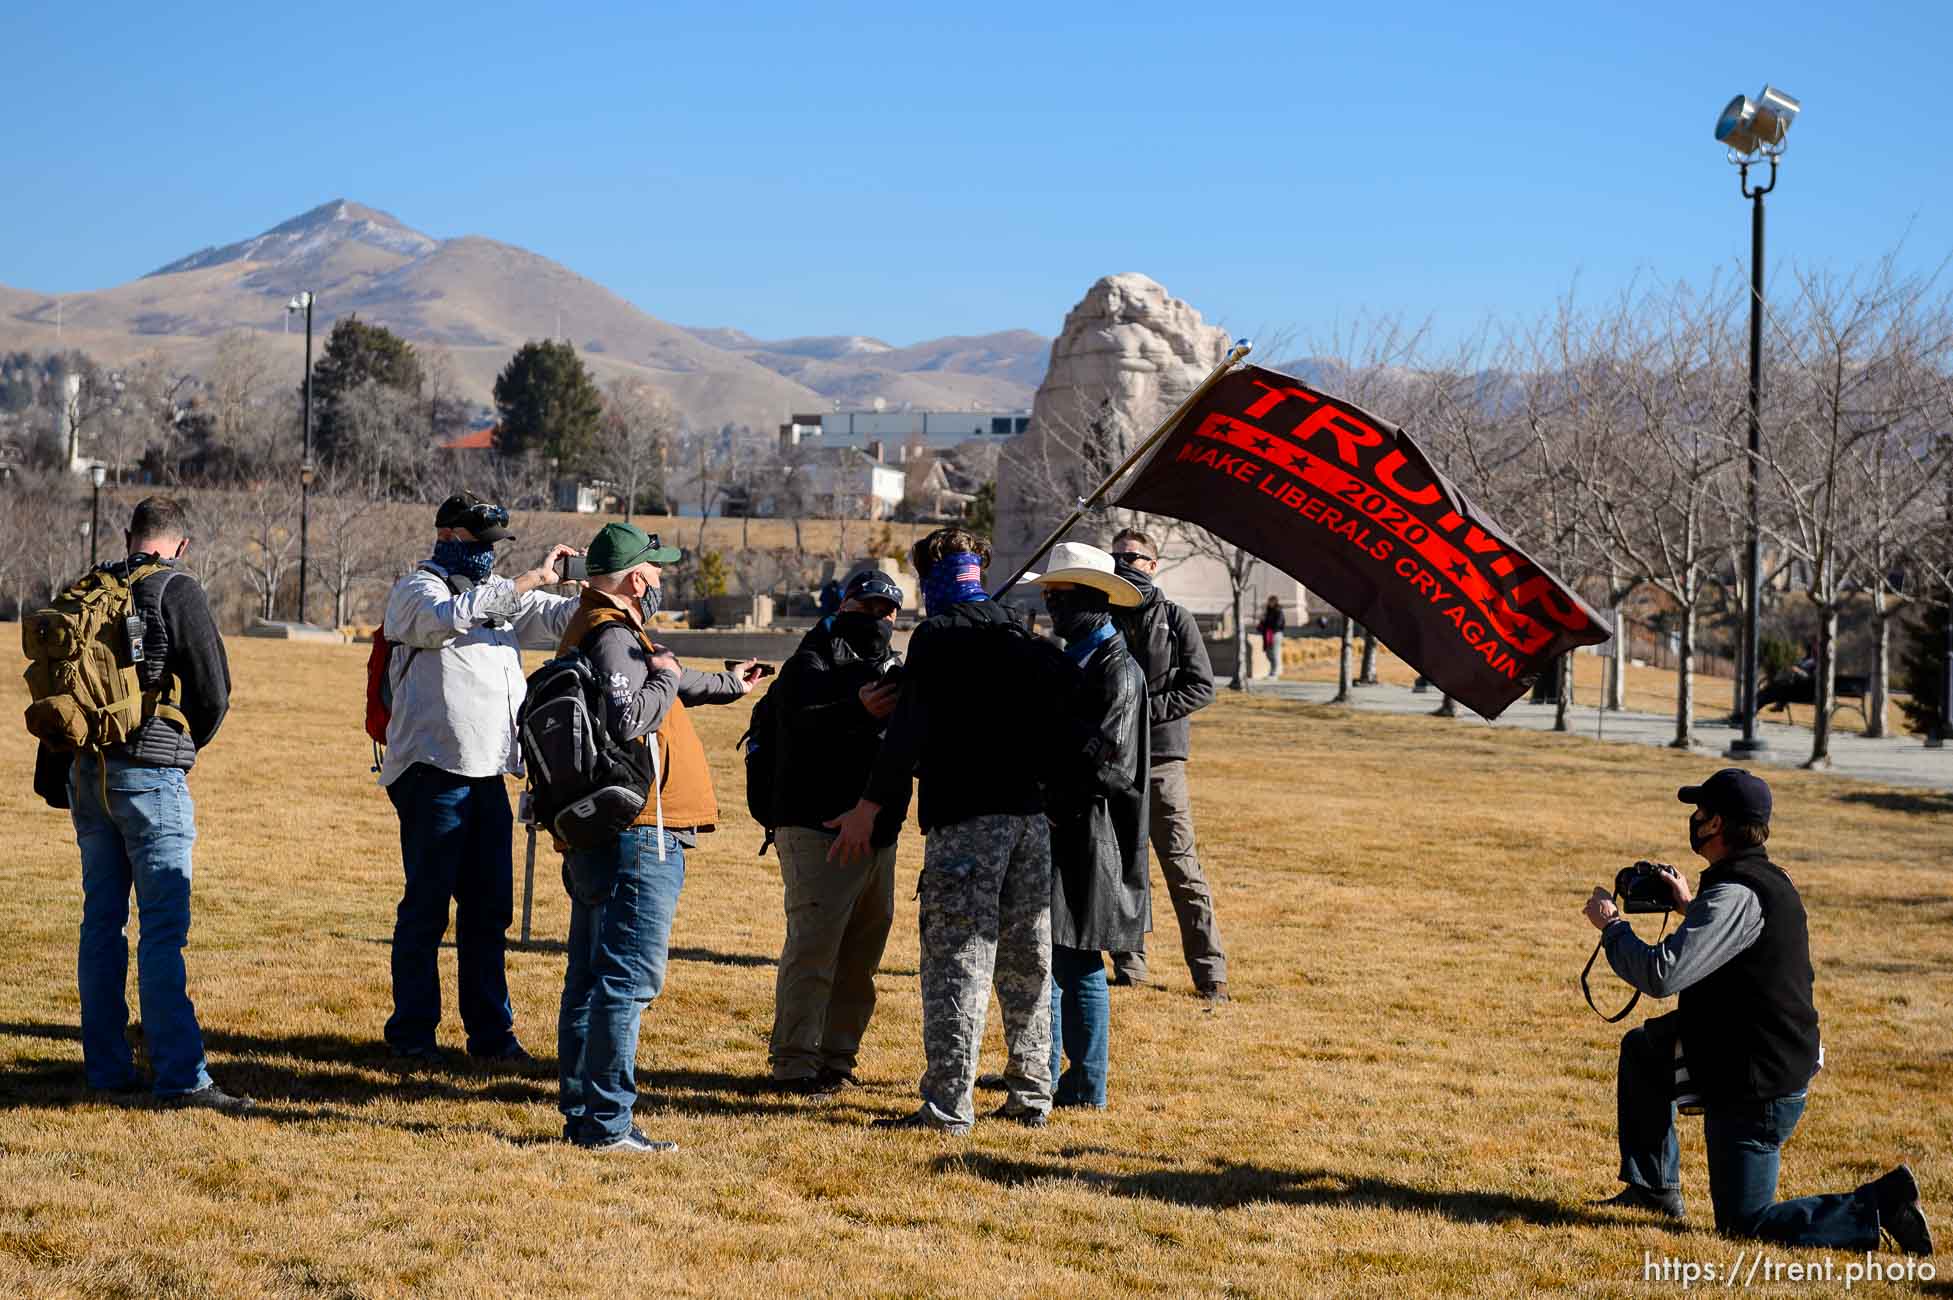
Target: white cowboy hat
[(1087, 566)]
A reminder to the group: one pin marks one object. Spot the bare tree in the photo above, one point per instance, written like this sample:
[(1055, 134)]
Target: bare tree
[(638, 422), (1651, 420), (1867, 357)]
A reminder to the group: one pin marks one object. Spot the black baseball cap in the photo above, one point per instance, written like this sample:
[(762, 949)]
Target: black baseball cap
[(486, 520), (1731, 793), (873, 584)]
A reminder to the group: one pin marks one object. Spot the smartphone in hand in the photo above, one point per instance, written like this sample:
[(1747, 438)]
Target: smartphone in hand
[(576, 569), (759, 670)]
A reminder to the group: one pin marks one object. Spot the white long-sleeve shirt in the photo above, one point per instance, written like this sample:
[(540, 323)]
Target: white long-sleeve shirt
[(456, 670)]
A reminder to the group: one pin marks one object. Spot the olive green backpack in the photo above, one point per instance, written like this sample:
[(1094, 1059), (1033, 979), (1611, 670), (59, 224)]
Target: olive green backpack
[(82, 657)]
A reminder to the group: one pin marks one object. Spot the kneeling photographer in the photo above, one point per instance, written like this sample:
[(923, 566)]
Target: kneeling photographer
[(1742, 1044)]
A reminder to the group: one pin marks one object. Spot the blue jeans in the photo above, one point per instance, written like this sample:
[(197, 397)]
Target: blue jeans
[(139, 839), (618, 946), (1081, 1013), (455, 844), (1745, 1141)]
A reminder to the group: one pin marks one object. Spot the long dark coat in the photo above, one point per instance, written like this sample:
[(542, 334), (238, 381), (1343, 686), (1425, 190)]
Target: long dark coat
[(1099, 890)]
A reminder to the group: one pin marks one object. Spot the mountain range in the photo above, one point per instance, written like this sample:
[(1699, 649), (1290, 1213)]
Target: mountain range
[(480, 299)]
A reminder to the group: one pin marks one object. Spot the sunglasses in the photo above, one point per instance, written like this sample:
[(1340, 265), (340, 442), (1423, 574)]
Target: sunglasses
[(1135, 555)]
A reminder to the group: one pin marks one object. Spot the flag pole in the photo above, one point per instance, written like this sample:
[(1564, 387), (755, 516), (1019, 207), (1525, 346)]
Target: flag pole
[(1233, 358)]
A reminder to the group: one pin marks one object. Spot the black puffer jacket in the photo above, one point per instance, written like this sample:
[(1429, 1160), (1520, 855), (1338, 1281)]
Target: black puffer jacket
[(1099, 889), (1165, 641), (827, 741)]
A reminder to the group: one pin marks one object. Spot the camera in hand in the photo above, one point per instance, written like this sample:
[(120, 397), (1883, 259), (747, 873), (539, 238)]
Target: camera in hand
[(1644, 888)]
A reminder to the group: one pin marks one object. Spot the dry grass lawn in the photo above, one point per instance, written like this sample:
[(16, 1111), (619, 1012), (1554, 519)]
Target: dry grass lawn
[(1407, 1097)]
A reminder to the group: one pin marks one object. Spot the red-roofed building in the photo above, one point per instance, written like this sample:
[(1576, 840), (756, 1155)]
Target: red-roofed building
[(482, 439)]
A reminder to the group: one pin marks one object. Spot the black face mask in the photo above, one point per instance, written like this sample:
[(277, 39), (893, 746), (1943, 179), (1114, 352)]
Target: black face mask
[(865, 634), (1132, 573), (1078, 613), (1696, 838)]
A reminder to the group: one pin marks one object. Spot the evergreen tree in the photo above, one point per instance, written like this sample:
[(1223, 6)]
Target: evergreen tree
[(1922, 665), (546, 401), (356, 353)]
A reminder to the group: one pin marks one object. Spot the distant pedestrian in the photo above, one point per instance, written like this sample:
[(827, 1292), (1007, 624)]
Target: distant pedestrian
[(1273, 622), (456, 673), (830, 707), (1096, 802), (134, 821), (1165, 641), (830, 600)]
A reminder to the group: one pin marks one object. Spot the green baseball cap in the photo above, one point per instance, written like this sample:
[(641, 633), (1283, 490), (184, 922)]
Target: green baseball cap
[(618, 547)]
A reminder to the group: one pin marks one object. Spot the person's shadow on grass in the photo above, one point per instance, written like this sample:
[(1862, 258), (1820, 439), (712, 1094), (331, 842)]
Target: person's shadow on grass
[(1226, 1185)]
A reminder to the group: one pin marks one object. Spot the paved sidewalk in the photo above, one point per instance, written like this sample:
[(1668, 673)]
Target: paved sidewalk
[(1895, 760)]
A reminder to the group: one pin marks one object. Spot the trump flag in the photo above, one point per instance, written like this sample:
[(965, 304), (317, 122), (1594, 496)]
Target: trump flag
[(1350, 507)]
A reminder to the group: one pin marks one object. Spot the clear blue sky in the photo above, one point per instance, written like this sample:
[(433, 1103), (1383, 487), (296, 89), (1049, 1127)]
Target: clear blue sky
[(919, 170)]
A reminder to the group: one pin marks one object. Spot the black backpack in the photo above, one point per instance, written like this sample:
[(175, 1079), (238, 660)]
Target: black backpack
[(761, 747), (588, 788)]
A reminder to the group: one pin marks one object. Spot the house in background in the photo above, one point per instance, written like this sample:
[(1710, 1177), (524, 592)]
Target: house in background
[(567, 493)]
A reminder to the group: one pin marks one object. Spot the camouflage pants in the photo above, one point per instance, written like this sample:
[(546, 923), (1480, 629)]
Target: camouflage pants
[(985, 914)]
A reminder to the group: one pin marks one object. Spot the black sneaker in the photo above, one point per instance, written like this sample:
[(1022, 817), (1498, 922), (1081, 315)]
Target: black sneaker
[(1897, 1197), (1026, 1118), (922, 1117), (810, 1085), (1214, 994), (1125, 979), (425, 1057), (992, 1082), (513, 1057), (838, 1079), (633, 1142), (1667, 1202), (210, 1097)]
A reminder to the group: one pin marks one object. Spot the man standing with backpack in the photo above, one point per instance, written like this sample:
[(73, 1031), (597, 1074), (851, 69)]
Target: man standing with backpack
[(456, 676), (1166, 643), (135, 720), (824, 721), (624, 891)]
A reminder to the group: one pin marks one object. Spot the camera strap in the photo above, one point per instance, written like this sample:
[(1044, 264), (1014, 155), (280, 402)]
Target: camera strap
[(1588, 992)]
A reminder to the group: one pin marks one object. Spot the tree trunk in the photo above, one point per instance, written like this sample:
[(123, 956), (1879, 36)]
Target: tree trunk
[(1614, 694), (1881, 688), (1240, 679), (1367, 676), (1343, 657), (1564, 668), (1825, 684), (1685, 681)]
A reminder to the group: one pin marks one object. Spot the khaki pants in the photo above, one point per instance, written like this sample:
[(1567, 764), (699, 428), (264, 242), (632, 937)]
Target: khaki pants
[(838, 917), (1171, 815)]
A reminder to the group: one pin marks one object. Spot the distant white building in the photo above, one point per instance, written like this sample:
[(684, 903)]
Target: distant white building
[(832, 483), (901, 435)]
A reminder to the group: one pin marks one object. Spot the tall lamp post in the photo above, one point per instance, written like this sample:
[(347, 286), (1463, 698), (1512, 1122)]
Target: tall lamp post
[(303, 302), (97, 474), (1753, 131)]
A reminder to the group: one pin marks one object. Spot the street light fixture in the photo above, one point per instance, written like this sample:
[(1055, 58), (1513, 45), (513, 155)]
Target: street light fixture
[(1754, 129), (97, 475), (303, 302)]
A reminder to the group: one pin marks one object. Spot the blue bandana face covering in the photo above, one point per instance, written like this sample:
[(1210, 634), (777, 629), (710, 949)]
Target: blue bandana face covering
[(472, 560), (953, 580)]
